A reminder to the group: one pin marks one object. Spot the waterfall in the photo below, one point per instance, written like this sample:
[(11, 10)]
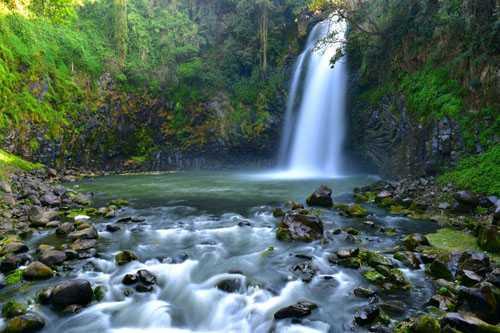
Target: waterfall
[(314, 126)]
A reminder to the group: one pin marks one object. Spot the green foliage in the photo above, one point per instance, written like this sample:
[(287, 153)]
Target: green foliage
[(477, 173), (10, 162)]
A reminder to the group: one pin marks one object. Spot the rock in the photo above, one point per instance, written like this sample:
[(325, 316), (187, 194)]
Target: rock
[(14, 261), (489, 238), (71, 292), (14, 248), (304, 271), (494, 277), (112, 228), (146, 277), (408, 258), (352, 231), (467, 323), (53, 257), (49, 199), (322, 197), (367, 315), (363, 292), (439, 269), (299, 227), (477, 262), (352, 210), (5, 187), (481, 301), (13, 309), (81, 199), (83, 244), (426, 324), (412, 241), (40, 217), (130, 279), (142, 288), (65, 229), (347, 253), (125, 257), (467, 200), (37, 271), (232, 285), (443, 303), (81, 218), (468, 278), (88, 233), (27, 323), (395, 308), (99, 293), (299, 310)]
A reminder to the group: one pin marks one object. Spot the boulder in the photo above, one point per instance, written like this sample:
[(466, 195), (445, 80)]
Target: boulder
[(367, 315), (14, 247), (408, 258), (439, 269), (468, 278), (231, 285), (426, 324), (363, 292), (467, 200), (322, 197), (299, 227), (71, 292), (13, 309), (65, 228), (14, 261), (112, 228), (467, 323), (477, 262), (146, 277), (304, 270), (130, 279), (299, 310), (52, 257), (125, 257), (37, 271), (143, 288), (87, 233), (412, 241), (481, 301), (278, 212), (83, 244), (489, 238), (50, 199), (26, 323), (352, 210)]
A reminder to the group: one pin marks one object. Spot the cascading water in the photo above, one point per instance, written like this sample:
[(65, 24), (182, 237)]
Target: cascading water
[(314, 132)]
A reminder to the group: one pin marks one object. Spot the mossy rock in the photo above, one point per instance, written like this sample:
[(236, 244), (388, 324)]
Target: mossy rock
[(426, 324), (14, 277), (13, 309), (119, 203), (439, 269), (374, 277), (124, 257), (489, 238), (99, 293), (352, 210), (26, 323), (373, 259)]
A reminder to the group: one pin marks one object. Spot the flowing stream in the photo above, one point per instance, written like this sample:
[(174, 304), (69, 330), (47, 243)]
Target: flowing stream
[(314, 126), (199, 229)]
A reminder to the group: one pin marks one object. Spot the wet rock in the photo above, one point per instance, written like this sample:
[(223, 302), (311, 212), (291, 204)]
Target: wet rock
[(494, 277), (489, 238), (125, 219), (408, 258), (468, 278), (5, 187), (367, 315), (299, 310), (13, 309), (14, 247), (467, 201), (142, 288), (322, 197), (65, 229), (83, 244), (299, 227), (27, 323), (304, 271), (352, 231), (71, 292), (481, 301), (99, 293), (178, 259), (81, 199), (363, 292), (50, 199), (444, 303), (352, 210), (347, 253), (124, 257), (72, 309), (146, 277), (112, 228), (439, 269), (278, 212), (53, 257), (130, 279), (37, 271), (477, 262), (39, 217), (412, 241), (232, 285), (393, 307), (467, 323), (14, 261), (88, 233)]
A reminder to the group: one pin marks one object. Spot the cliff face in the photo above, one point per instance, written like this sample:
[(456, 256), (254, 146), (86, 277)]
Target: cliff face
[(425, 82)]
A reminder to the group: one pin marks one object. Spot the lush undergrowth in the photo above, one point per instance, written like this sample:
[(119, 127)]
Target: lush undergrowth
[(10, 163), (477, 173)]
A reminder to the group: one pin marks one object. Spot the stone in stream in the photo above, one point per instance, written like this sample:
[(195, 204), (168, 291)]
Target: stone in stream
[(481, 301), (83, 244), (347, 253), (477, 262), (37, 271), (352, 210), (299, 310), (231, 285), (52, 257), (322, 197), (296, 226), (65, 229), (143, 288), (443, 303), (412, 241), (146, 277), (304, 271), (467, 201), (14, 261), (87, 233), (408, 258), (50, 199), (468, 278), (14, 247), (112, 228), (13, 309), (494, 277), (130, 279), (124, 257), (489, 238), (367, 315), (26, 323), (426, 324), (71, 292), (467, 323), (363, 292), (439, 269)]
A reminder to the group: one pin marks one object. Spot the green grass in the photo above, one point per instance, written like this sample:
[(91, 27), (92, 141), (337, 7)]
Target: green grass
[(477, 173), (10, 162), (457, 240)]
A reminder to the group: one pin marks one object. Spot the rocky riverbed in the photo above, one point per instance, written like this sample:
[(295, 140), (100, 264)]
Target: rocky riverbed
[(68, 256)]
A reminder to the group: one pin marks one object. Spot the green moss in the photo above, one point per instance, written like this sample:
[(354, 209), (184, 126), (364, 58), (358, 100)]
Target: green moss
[(14, 277), (12, 309), (374, 277), (10, 162), (456, 240), (477, 173)]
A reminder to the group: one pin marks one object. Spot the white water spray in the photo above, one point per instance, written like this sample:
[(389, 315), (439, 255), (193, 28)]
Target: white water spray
[(312, 144)]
